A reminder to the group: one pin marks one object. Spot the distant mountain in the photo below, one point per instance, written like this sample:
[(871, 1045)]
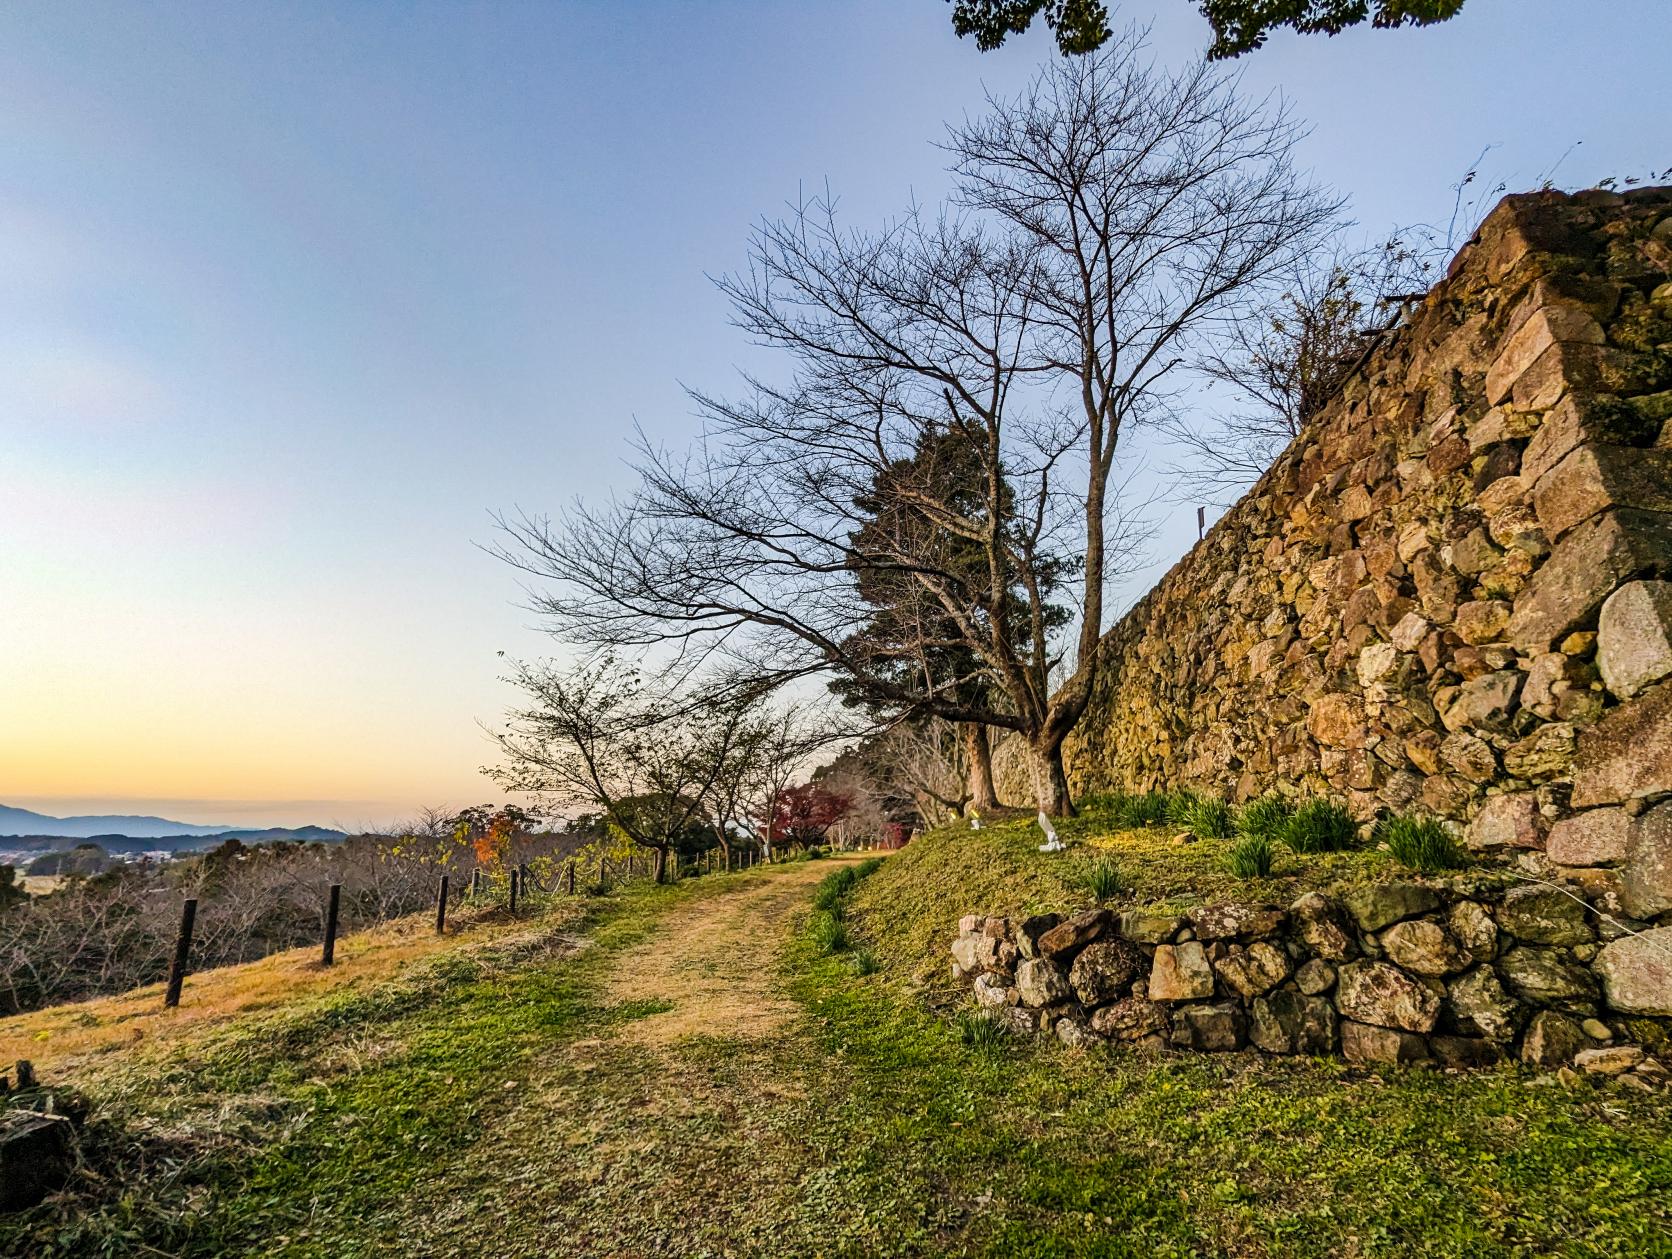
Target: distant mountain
[(27, 822)]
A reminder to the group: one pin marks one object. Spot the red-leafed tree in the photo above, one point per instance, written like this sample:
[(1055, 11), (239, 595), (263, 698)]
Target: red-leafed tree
[(804, 815)]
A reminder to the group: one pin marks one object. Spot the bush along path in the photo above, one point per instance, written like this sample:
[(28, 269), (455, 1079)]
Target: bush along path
[(746, 1067)]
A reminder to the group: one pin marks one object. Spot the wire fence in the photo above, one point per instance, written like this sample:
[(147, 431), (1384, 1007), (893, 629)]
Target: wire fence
[(149, 921)]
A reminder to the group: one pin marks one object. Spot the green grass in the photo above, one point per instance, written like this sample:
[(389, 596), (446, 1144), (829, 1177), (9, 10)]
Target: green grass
[(1207, 817), (1026, 1148), (947, 873), (1320, 825), (1251, 857), (1266, 817), (1421, 843), (496, 1102), (1103, 879), (980, 1031), (1127, 811), (833, 888), (830, 932)]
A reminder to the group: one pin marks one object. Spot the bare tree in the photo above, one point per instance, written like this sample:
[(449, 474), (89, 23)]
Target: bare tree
[(1290, 356), (786, 737), (644, 755), (928, 758), (1104, 224)]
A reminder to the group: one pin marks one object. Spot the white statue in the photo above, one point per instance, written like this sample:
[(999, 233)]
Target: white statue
[(1052, 843)]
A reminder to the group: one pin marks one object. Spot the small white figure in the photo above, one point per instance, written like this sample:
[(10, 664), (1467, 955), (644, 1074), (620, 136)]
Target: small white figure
[(975, 820), (1052, 843)]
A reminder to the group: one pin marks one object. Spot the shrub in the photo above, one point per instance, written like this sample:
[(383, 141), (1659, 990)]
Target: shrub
[(865, 962), (1250, 857), (1179, 805), (833, 887), (1208, 817), (1267, 817), (1421, 843), (1129, 812), (865, 869), (1103, 879), (830, 933), (1320, 826), (980, 1031)]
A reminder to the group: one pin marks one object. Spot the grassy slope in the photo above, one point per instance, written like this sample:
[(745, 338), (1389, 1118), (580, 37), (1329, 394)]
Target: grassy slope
[(496, 1099), (1221, 1154), (913, 914)]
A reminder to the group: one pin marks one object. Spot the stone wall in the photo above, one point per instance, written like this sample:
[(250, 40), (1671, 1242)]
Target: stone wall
[(1450, 594), (1463, 973)]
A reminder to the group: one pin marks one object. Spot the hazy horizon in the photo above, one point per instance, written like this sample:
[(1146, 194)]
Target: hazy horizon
[(300, 295)]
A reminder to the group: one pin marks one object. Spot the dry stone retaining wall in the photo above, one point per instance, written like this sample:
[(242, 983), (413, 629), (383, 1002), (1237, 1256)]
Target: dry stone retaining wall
[(1453, 592), (1463, 973)]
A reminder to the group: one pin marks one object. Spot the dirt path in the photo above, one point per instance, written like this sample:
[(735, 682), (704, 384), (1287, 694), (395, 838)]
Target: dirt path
[(706, 959), (655, 1134)]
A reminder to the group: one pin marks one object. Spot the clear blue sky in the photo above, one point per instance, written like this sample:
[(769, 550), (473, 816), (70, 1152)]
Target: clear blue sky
[(290, 296)]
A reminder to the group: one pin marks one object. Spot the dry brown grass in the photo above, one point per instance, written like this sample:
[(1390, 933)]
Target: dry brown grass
[(59, 1035), (705, 961)]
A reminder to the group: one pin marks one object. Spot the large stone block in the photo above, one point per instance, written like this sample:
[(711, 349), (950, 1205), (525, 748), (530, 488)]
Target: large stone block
[(1544, 915), (1292, 1023), (37, 1152), (1593, 478), (1066, 939), (1041, 982), (1563, 429), (993, 990), (1596, 837), (1377, 905), (1149, 927), (1253, 970), (1628, 754), (1362, 1043), (1543, 330), (1029, 930), (1180, 972), (1634, 636), (1480, 1006), (1587, 566), (1551, 1040), (1105, 970), (1338, 721), (1508, 820), (1131, 1018), (1384, 995), (1423, 947), (1647, 890), (1636, 972), (1215, 1028), (1231, 920), (1547, 977)]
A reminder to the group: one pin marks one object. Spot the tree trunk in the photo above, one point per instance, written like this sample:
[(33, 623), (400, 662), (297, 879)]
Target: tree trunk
[(983, 796), (1050, 782), (661, 865)]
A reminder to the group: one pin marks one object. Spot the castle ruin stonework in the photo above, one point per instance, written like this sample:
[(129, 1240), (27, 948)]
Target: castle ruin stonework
[(1452, 593)]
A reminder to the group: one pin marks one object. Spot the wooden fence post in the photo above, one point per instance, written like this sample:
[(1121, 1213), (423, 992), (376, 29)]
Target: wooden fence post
[(331, 906), (475, 881), (441, 906), (522, 877), (513, 891), (571, 878), (182, 949)]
